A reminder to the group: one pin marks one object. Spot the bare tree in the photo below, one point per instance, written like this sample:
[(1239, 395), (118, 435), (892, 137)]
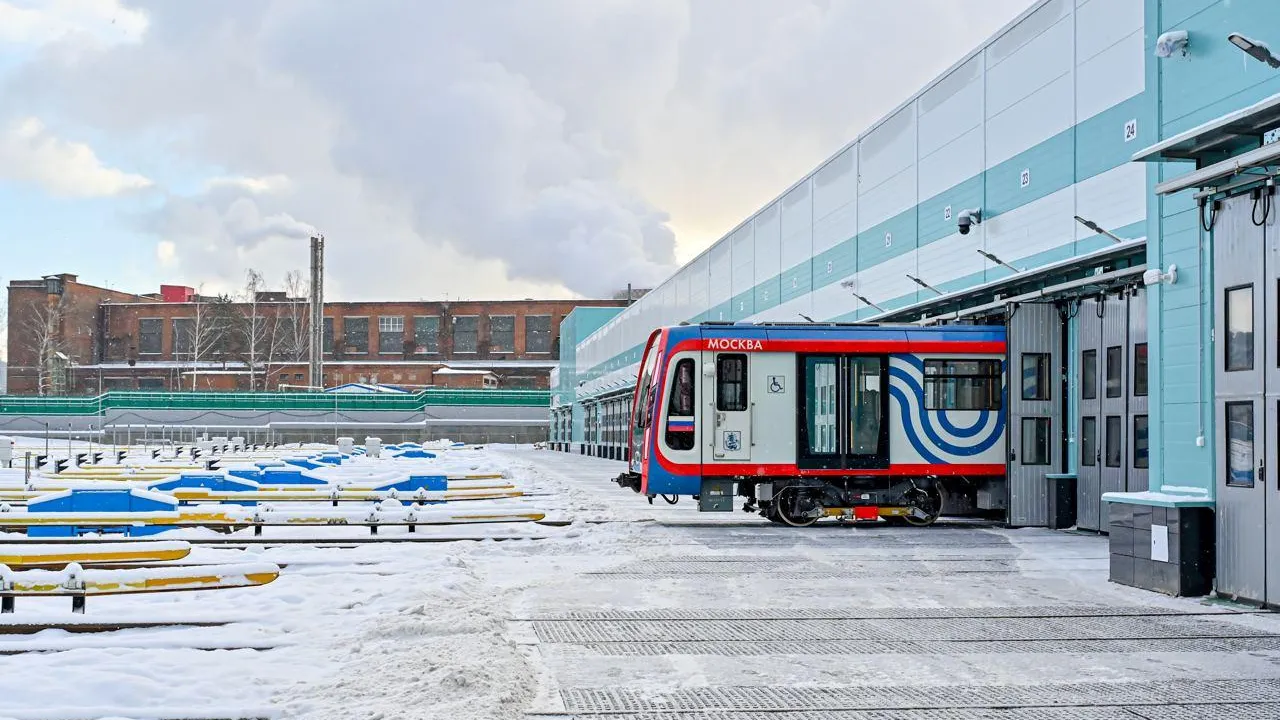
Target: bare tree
[(293, 323), (44, 338), (199, 337)]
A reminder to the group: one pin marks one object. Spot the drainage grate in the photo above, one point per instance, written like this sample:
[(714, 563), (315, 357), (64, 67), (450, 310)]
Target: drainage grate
[(1251, 711), (927, 629), (1259, 711), (880, 613), (755, 648), (1203, 692)]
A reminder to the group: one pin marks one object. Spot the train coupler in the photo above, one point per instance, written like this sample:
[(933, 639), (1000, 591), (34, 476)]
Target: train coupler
[(628, 480)]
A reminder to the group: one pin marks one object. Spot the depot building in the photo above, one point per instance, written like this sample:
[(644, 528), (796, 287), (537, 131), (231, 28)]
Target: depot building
[(1099, 177)]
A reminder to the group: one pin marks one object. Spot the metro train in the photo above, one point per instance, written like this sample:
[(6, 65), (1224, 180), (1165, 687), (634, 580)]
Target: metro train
[(809, 421)]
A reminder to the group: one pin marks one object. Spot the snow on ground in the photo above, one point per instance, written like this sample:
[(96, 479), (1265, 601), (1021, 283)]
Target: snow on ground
[(512, 628)]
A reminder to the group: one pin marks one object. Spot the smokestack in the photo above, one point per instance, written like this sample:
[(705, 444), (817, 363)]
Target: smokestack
[(317, 311)]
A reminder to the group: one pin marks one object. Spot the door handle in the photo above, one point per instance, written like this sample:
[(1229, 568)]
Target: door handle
[(1262, 471)]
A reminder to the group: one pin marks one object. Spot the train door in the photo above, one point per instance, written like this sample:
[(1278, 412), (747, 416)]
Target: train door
[(1035, 409), (843, 408), (1246, 394), (728, 388)]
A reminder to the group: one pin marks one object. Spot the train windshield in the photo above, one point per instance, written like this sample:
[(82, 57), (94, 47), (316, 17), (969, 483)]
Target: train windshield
[(642, 405)]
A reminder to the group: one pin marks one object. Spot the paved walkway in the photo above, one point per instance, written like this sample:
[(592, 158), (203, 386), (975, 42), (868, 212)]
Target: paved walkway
[(667, 613)]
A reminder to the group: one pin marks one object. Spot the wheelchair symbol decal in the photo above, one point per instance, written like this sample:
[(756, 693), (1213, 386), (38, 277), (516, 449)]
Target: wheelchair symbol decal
[(777, 384)]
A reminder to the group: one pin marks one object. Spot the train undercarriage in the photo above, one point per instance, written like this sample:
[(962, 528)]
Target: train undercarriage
[(803, 501)]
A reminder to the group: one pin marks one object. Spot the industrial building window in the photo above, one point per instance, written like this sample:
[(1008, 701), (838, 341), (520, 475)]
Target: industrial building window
[(731, 383), (680, 421), (184, 341), (149, 330), (1141, 443), (426, 333), (1089, 441), (1115, 372), (1035, 376), (390, 333), (1113, 441), (1239, 322), (328, 335), (1240, 466), (1035, 441), (466, 336), (1140, 370), (151, 383), (355, 334), (537, 333), (502, 333), (962, 384), (1089, 374)]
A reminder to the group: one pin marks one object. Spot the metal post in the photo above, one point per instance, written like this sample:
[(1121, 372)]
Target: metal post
[(317, 312), (46, 439)]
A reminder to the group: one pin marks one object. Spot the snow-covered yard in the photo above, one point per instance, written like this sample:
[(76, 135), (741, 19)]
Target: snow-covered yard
[(651, 611)]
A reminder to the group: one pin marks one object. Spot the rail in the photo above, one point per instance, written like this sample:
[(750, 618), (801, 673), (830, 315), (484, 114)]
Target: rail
[(141, 400)]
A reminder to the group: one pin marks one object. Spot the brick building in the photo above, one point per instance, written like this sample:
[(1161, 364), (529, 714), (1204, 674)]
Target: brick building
[(66, 337)]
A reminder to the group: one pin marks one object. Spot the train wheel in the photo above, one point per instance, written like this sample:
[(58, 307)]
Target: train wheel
[(788, 510), (929, 502)]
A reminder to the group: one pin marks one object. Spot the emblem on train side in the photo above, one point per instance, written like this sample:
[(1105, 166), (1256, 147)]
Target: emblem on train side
[(734, 344)]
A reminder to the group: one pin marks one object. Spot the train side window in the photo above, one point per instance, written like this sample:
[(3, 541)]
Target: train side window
[(1089, 374), (680, 421), (962, 384), (731, 383), (1035, 376)]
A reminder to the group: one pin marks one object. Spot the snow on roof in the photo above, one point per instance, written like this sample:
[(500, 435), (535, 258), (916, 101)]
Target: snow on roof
[(457, 371), (366, 388)]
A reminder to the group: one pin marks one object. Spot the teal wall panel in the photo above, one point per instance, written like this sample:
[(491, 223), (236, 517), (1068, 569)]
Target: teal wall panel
[(889, 239), (1051, 166), (931, 217), (1100, 140)]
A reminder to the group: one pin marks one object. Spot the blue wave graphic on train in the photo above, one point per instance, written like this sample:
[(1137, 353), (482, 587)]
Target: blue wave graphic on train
[(947, 442)]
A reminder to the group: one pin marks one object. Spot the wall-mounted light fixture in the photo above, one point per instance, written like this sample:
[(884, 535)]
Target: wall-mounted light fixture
[(1099, 229), (924, 284), (992, 257), (1172, 42), (1254, 49)]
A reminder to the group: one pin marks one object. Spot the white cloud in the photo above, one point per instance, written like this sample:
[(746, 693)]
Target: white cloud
[(43, 21), (30, 153), (167, 253), (254, 185)]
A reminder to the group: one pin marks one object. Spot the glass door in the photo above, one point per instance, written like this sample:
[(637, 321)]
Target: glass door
[(842, 412)]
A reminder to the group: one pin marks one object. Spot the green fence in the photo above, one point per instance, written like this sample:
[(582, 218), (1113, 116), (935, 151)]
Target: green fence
[(124, 400)]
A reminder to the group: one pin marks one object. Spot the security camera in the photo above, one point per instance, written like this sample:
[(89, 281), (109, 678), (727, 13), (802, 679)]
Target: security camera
[(1172, 42), (968, 218)]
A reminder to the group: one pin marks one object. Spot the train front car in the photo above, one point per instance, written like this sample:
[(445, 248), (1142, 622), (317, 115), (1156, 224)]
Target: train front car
[(813, 421)]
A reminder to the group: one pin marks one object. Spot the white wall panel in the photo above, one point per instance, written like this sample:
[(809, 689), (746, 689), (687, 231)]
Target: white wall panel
[(1111, 76), (952, 107), (1030, 122), (1038, 62), (1113, 199), (888, 279), (832, 301), (721, 268), (767, 242), (952, 164), (1103, 23), (836, 183), (788, 311), (1038, 226), (744, 253), (951, 257), (887, 199), (835, 228), (888, 149), (797, 225), (699, 279)]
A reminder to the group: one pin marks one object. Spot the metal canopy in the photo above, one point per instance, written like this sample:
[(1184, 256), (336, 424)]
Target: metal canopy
[(1218, 138), (1080, 272), (1262, 157)]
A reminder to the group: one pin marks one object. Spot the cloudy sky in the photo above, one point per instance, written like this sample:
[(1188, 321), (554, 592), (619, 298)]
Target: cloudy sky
[(460, 148)]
